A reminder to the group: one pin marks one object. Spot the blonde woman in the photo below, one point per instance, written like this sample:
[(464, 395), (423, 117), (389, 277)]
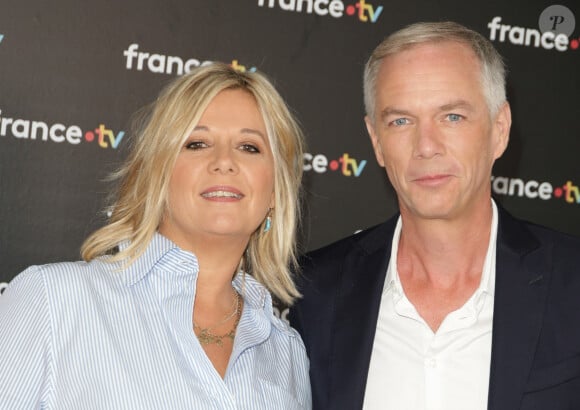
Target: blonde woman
[(171, 307)]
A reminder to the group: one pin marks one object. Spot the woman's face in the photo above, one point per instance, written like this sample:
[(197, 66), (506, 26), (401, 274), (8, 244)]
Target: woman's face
[(223, 181)]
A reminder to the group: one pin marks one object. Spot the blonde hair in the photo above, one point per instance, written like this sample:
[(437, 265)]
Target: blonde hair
[(492, 66), (140, 200)]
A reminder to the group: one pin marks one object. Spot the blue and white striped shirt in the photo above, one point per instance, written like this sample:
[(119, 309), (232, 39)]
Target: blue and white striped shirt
[(93, 336)]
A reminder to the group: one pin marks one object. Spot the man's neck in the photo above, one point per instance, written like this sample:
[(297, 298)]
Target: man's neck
[(446, 247), (440, 262)]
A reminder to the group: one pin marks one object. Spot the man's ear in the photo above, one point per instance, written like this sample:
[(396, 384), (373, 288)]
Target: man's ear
[(375, 141), (501, 130)]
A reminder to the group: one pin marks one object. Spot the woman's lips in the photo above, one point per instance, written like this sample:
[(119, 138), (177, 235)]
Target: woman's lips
[(222, 194)]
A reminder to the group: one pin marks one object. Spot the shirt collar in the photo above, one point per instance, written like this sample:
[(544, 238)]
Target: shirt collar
[(488, 275), (392, 281), (254, 293), (160, 253)]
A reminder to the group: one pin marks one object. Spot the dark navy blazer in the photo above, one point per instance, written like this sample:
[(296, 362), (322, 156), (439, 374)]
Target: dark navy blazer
[(535, 359)]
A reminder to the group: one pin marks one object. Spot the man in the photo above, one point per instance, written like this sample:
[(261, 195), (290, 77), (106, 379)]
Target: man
[(453, 304)]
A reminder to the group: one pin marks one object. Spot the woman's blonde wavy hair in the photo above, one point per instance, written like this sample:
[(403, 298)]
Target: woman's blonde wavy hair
[(140, 201)]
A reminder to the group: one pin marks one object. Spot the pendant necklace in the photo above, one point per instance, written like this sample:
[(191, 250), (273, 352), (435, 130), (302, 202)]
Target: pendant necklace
[(206, 337)]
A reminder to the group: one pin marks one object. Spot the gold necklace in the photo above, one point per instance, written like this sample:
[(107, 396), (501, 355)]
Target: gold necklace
[(206, 337)]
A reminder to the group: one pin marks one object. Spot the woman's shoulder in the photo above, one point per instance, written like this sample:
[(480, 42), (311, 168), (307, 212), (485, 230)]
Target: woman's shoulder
[(60, 277), (284, 334), (283, 327)]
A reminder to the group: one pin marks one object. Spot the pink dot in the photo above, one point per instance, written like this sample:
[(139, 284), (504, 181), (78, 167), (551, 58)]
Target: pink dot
[(350, 10), (89, 136), (558, 192), (574, 44), (333, 165)]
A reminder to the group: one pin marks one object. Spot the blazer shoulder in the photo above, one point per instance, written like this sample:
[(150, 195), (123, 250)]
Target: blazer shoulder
[(524, 236), (565, 255), (367, 241), (562, 244), (554, 251), (331, 256)]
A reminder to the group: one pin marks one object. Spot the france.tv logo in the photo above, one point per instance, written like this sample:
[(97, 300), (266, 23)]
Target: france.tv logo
[(344, 164), (532, 189), (136, 59), (365, 12), (23, 129)]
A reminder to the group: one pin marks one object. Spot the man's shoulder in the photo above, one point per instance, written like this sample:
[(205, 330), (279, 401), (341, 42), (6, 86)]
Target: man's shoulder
[(321, 268), (563, 248), (537, 236), (366, 241), (549, 235)]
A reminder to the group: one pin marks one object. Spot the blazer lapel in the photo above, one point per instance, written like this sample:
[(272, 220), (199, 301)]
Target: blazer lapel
[(357, 306), (522, 276)]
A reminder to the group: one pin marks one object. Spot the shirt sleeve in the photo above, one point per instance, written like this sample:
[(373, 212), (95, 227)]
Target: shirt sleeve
[(24, 342)]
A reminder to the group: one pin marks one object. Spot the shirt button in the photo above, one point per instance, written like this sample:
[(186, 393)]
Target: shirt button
[(431, 362)]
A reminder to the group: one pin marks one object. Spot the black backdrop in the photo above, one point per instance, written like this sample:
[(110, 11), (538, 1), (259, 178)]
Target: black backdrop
[(72, 73)]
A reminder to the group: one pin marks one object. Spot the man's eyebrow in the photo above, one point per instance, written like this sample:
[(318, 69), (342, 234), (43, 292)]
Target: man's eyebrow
[(456, 104), (387, 111)]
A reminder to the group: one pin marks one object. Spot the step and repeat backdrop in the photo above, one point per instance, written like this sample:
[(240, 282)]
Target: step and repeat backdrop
[(72, 73)]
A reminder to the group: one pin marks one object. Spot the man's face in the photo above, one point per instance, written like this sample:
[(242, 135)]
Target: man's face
[(433, 133)]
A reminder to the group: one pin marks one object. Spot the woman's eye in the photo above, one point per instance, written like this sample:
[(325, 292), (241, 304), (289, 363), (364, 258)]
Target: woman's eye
[(195, 145), (251, 148)]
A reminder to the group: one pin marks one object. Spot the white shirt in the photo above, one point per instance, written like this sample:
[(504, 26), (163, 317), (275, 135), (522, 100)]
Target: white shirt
[(92, 336), (413, 368)]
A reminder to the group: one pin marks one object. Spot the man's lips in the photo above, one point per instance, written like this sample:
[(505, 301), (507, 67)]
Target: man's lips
[(431, 179), (223, 193)]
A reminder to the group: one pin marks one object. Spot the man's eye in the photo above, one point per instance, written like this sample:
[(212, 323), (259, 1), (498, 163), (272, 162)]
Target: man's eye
[(454, 117), (400, 121), (251, 148), (195, 145)]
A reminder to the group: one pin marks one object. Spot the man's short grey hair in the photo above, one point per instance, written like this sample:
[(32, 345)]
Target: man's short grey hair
[(493, 70)]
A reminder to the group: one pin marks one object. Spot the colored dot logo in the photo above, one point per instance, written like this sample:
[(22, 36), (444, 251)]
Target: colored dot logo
[(568, 191), (574, 44), (242, 68), (105, 137), (365, 12), (320, 164), (333, 165)]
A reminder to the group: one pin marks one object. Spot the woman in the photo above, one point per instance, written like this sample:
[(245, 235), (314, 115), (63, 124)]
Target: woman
[(171, 306)]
